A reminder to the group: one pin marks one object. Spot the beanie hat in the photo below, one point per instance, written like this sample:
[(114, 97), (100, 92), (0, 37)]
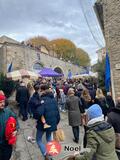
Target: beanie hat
[(2, 97), (94, 111)]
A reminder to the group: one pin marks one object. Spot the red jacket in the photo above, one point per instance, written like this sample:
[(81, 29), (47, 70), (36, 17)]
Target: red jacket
[(10, 128)]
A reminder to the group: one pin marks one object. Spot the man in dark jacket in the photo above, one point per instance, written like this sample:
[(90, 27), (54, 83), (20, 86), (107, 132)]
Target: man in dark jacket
[(22, 97), (32, 107), (5, 113), (34, 100), (49, 109), (114, 120)]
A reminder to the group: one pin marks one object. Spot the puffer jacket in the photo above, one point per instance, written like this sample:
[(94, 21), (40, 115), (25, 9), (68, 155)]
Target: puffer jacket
[(101, 142)]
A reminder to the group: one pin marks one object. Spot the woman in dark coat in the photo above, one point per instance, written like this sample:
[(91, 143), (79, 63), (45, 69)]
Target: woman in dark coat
[(74, 107), (87, 102), (101, 101)]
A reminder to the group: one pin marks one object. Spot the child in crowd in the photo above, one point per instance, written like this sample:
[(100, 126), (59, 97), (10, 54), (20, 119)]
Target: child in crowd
[(44, 122)]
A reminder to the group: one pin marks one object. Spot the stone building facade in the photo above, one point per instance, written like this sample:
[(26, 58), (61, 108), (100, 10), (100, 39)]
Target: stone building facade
[(101, 54), (109, 17), (22, 56)]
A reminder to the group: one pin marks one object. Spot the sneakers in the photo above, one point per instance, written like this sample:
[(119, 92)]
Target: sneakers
[(46, 126), (31, 139)]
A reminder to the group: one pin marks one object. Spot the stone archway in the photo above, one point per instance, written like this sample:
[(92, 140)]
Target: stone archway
[(58, 70), (37, 66)]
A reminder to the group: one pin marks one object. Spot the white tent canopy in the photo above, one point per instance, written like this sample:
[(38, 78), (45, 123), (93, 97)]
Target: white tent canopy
[(91, 74)]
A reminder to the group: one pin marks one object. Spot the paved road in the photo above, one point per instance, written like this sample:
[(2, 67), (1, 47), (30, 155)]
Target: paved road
[(26, 151)]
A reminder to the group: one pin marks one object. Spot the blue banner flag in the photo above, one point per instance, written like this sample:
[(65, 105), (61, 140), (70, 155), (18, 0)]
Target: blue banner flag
[(10, 67), (107, 73), (69, 74)]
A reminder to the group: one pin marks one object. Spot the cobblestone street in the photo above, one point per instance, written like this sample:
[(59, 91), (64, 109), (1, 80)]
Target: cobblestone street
[(27, 151)]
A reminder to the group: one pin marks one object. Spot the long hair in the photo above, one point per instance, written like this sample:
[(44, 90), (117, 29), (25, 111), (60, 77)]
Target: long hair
[(85, 95), (99, 93)]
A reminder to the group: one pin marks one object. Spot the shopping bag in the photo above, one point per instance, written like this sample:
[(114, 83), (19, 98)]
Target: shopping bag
[(84, 119), (59, 135)]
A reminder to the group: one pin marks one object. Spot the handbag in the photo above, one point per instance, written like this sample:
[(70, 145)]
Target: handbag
[(59, 135)]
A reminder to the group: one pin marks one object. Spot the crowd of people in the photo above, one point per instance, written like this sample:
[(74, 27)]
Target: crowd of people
[(86, 106)]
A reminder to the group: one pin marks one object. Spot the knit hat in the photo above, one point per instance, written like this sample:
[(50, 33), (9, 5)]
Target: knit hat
[(94, 111), (2, 97)]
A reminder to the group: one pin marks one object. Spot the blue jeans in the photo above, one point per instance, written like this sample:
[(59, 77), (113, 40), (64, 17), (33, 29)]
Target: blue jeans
[(39, 140)]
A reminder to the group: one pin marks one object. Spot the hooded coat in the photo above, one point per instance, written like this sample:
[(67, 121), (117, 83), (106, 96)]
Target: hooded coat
[(101, 142)]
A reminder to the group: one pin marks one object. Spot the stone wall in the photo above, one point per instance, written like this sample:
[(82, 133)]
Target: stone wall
[(25, 57), (111, 11)]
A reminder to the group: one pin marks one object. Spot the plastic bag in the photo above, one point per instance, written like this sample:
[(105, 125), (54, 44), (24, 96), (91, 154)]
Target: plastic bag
[(59, 135)]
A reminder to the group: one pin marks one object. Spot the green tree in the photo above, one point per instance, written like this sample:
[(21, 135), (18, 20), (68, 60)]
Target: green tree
[(39, 41), (64, 48), (6, 85), (81, 57), (100, 68)]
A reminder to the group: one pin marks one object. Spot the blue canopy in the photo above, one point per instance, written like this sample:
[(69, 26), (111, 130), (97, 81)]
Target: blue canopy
[(48, 72)]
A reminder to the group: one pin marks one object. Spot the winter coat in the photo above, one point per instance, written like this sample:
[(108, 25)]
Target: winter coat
[(49, 109), (22, 94), (101, 142), (114, 120), (34, 102), (92, 93), (4, 116), (75, 108), (9, 130), (110, 103), (86, 104), (103, 104)]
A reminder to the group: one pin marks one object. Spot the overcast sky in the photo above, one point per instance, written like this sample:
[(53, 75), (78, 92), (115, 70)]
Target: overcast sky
[(22, 19)]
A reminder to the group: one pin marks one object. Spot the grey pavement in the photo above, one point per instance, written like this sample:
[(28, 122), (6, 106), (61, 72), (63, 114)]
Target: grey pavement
[(27, 151)]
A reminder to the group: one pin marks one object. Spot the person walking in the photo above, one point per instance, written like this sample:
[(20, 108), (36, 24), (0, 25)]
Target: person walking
[(62, 101), (75, 109), (22, 97), (49, 109), (87, 102), (100, 99), (32, 106), (5, 114), (114, 120), (100, 137)]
